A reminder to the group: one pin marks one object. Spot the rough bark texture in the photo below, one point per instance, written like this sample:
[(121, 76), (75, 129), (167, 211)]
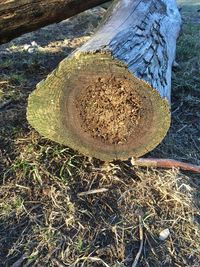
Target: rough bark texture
[(111, 98), (21, 16)]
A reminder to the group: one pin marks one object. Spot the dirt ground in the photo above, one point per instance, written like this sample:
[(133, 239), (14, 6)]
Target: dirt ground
[(44, 220)]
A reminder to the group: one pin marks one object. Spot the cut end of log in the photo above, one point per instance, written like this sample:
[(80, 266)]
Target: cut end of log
[(93, 104), (109, 109), (111, 98)]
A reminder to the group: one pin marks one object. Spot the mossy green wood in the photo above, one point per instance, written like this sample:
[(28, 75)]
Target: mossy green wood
[(131, 44)]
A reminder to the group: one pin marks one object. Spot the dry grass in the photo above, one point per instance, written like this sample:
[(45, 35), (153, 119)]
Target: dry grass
[(44, 221)]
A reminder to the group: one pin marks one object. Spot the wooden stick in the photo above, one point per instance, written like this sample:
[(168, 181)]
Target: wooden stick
[(165, 163), (19, 262), (5, 104), (141, 243), (95, 191)]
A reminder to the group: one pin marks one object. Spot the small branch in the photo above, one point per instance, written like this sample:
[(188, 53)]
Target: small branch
[(141, 243), (19, 262), (95, 191), (93, 259), (5, 104), (165, 163)]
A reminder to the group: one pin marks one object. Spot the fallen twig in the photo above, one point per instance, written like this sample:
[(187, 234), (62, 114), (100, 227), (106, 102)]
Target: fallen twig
[(165, 163), (5, 104), (19, 262), (93, 259), (141, 243), (90, 192)]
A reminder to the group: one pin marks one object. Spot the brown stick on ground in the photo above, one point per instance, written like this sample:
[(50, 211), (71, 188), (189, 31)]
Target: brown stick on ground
[(165, 163)]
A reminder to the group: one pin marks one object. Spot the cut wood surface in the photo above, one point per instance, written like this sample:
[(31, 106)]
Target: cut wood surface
[(21, 16), (111, 98)]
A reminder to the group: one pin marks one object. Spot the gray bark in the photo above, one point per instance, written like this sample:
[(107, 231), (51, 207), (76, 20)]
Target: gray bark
[(142, 34)]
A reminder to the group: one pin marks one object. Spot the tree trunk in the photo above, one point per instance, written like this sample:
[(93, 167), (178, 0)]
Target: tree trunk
[(111, 98), (20, 16)]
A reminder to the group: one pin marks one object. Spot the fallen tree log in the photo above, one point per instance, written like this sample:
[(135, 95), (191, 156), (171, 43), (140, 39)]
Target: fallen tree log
[(111, 98), (21, 16)]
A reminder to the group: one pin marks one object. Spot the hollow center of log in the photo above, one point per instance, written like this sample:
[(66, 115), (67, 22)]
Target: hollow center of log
[(109, 109)]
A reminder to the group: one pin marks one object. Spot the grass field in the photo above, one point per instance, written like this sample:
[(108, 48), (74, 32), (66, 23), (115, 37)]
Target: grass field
[(44, 220)]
